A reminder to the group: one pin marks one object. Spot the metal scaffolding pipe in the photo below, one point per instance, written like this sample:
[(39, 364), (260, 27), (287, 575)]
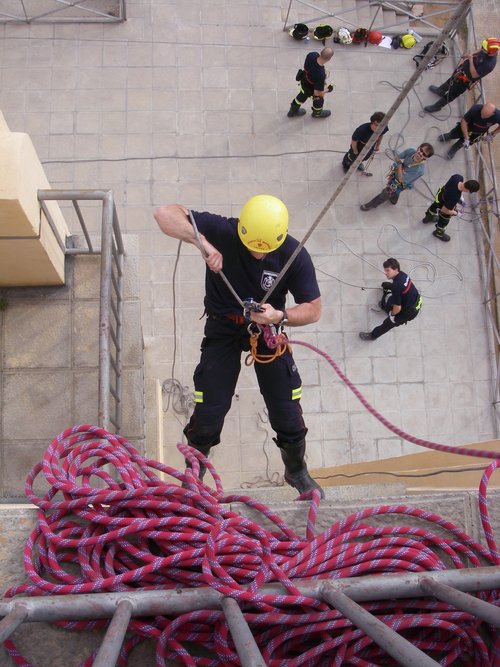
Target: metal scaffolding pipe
[(246, 646), (472, 605), (396, 646), (104, 307), (109, 651), (179, 601), (12, 621)]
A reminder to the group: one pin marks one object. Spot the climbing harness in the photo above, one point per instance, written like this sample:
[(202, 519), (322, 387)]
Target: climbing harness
[(274, 339), (249, 305)]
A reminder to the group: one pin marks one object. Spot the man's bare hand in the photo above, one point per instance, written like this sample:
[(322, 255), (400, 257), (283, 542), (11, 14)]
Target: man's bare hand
[(269, 315), (212, 256)]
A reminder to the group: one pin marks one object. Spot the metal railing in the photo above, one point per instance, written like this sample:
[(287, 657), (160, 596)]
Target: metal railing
[(450, 586), (64, 11), (111, 293)]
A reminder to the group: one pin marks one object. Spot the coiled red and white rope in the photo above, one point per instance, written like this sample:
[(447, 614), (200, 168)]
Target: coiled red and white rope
[(133, 529)]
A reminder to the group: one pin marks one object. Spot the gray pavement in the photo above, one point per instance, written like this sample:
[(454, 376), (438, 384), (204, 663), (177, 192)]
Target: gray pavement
[(187, 102)]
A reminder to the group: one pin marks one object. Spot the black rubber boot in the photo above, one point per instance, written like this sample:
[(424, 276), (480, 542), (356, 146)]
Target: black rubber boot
[(295, 110), (436, 90), (429, 217), (324, 113), (441, 235), (444, 137), (205, 451), (296, 473), (437, 106), (454, 149)]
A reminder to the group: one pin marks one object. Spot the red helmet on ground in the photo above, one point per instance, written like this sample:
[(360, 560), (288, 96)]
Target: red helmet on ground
[(375, 37), (491, 45)]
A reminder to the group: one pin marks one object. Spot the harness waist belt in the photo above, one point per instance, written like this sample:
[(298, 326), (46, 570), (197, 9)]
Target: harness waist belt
[(234, 317), (239, 319)]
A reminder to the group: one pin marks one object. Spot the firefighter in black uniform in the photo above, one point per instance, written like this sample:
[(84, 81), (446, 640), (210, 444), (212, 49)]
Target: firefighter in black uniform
[(400, 300), (470, 69), (312, 84), (251, 251), (444, 205), (475, 125), (360, 138)]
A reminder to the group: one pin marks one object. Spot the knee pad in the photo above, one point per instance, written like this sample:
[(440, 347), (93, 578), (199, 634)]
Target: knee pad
[(318, 102)]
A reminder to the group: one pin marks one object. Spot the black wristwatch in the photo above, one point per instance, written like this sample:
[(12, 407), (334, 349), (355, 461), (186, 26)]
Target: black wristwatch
[(284, 319)]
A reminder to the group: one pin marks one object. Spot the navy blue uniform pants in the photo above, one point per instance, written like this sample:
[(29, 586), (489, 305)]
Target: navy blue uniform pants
[(306, 91), (215, 380), (405, 315), (452, 88)]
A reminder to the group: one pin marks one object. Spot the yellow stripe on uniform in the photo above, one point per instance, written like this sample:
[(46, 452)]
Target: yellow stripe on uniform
[(436, 198), (296, 393), (198, 397)]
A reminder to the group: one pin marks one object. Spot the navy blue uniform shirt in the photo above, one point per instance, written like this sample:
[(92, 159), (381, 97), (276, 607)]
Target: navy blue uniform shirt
[(483, 63), (450, 194), (315, 73), (404, 292), (252, 277), (362, 134), (477, 124)]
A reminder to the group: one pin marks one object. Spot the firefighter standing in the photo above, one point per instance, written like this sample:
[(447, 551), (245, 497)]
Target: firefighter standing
[(470, 69), (445, 201), (360, 138), (475, 125), (312, 84), (400, 300), (251, 251)]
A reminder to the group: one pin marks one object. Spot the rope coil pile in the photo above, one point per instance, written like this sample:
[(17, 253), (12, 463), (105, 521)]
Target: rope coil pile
[(132, 530)]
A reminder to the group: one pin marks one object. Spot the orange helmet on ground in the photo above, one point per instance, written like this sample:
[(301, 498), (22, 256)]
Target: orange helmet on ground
[(375, 37), (491, 45)]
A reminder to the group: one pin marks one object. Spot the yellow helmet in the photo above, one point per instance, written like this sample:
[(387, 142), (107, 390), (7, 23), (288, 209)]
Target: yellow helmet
[(263, 223)]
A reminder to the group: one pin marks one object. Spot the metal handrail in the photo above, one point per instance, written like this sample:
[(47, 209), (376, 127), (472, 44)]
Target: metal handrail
[(112, 254)]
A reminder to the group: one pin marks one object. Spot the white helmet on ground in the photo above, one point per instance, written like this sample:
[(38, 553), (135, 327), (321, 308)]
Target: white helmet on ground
[(344, 36)]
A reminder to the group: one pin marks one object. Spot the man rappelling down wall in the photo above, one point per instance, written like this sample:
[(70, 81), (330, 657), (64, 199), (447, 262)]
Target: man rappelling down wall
[(252, 250)]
